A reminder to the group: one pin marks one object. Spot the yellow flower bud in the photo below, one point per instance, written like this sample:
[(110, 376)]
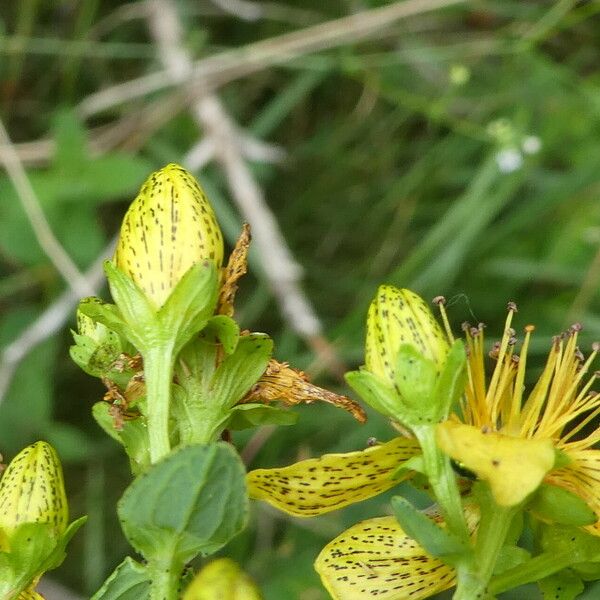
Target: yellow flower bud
[(168, 228), (222, 579), (32, 491), (399, 316)]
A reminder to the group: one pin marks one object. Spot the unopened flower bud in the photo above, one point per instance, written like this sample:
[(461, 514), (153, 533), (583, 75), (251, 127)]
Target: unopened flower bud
[(168, 228), (32, 490), (399, 316)]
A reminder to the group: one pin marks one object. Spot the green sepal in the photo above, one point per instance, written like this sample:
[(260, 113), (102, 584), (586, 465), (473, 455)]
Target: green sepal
[(436, 541), (246, 416), (239, 371), (375, 392), (183, 315), (191, 304), (129, 581), (557, 505), (191, 502), (223, 330), (133, 436), (564, 585), (137, 315), (414, 463), (450, 384), (34, 549), (415, 377)]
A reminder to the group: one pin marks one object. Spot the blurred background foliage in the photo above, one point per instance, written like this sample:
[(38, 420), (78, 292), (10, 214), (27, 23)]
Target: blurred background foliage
[(454, 152)]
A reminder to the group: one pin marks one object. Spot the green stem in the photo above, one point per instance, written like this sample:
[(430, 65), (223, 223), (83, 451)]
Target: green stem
[(535, 569), (165, 575), (158, 373), (472, 582), (443, 481)]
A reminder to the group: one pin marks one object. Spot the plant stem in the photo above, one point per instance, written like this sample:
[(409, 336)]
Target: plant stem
[(474, 579), (158, 372), (165, 575), (443, 481)]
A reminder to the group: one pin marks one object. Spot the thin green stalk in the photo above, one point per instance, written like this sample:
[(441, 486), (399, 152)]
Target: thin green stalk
[(443, 481), (473, 581), (535, 569), (158, 372)]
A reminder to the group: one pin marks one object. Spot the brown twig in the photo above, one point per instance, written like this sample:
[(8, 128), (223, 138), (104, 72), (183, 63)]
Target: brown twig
[(232, 64)]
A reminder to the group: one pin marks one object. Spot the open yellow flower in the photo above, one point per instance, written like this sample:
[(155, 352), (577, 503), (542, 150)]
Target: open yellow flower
[(557, 414)]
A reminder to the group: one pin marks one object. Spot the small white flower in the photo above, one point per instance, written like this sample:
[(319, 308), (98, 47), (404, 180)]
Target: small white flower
[(531, 144), (509, 160)]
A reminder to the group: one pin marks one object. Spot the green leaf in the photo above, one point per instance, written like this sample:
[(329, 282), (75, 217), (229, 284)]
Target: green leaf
[(133, 436), (107, 314), (129, 581), (241, 370), (193, 501), (375, 392), (436, 541), (246, 416), (564, 585), (552, 503)]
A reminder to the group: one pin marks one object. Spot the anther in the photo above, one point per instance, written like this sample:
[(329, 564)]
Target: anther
[(511, 306), (466, 326), (529, 328), (439, 300), (575, 328), (596, 346)]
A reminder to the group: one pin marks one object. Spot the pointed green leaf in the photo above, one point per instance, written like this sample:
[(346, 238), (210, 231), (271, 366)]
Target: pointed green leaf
[(435, 540), (133, 436), (129, 581), (375, 392)]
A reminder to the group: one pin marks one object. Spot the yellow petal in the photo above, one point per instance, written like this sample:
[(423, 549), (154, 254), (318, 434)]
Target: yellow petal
[(513, 467), (376, 559), (319, 485), (399, 316), (582, 477), (32, 490), (168, 228), (222, 579)]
